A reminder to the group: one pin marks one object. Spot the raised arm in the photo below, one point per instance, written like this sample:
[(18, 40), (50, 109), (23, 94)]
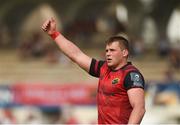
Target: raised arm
[(66, 46)]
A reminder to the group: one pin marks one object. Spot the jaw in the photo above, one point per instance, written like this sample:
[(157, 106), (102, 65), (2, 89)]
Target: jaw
[(111, 65), (115, 65)]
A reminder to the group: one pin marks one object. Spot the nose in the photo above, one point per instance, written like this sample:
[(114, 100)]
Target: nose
[(108, 53)]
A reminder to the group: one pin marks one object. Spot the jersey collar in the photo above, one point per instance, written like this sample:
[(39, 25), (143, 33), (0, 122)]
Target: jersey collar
[(123, 67)]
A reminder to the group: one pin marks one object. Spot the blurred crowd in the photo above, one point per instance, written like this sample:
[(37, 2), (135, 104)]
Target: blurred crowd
[(38, 48), (90, 34)]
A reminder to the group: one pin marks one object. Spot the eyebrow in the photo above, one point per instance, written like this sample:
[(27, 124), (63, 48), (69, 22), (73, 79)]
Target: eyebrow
[(110, 49)]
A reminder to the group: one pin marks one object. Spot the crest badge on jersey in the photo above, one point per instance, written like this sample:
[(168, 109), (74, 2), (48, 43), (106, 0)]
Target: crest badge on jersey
[(115, 80), (136, 79)]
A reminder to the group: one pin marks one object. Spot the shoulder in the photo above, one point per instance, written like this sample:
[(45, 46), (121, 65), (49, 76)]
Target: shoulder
[(95, 67), (134, 79)]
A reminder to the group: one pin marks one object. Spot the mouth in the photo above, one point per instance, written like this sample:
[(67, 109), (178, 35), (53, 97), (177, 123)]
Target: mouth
[(108, 59)]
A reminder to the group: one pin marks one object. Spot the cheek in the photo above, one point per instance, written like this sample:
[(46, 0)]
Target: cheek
[(118, 55)]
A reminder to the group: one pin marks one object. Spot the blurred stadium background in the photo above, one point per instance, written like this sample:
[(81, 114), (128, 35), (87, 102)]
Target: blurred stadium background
[(38, 84)]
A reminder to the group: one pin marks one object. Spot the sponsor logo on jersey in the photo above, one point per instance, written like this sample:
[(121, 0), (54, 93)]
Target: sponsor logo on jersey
[(115, 81)]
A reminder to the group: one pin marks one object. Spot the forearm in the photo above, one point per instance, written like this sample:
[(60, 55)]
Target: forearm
[(136, 115), (68, 48)]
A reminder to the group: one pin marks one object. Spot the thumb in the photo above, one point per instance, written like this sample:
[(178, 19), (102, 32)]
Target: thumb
[(52, 19)]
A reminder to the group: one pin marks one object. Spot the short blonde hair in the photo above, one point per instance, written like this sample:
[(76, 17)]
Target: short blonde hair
[(122, 41)]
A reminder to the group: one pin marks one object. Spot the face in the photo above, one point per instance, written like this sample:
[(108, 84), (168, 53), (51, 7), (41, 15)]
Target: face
[(115, 55)]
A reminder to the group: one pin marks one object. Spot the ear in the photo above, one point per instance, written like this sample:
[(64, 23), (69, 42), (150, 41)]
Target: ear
[(125, 52)]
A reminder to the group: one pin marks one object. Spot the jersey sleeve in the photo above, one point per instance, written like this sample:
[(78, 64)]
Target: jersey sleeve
[(134, 79), (95, 67)]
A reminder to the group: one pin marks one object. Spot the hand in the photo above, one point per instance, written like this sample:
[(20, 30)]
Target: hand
[(49, 26)]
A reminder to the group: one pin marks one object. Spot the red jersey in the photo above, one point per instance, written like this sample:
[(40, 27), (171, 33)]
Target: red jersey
[(112, 98)]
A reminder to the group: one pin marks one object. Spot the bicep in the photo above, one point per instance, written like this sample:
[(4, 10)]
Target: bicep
[(134, 83), (83, 61), (136, 97)]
